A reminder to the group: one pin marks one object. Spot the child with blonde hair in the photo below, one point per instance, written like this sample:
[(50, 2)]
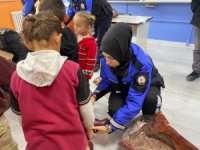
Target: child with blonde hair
[(83, 26), (52, 92)]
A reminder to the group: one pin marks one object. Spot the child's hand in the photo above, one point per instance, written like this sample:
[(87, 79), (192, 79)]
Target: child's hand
[(101, 129), (90, 134)]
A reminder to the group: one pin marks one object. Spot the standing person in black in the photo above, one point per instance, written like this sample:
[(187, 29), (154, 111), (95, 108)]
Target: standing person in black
[(10, 41), (195, 7), (102, 10)]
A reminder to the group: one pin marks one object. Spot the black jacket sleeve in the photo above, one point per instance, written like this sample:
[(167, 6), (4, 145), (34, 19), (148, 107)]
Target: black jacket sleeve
[(16, 46), (69, 44)]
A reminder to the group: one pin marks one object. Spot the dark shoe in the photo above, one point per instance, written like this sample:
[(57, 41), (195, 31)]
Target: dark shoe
[(97, 67), (192, 76), (102, 122)]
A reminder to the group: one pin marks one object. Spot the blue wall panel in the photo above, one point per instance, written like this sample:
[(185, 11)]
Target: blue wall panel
[(171, 21), (121, 7), (169, 31)]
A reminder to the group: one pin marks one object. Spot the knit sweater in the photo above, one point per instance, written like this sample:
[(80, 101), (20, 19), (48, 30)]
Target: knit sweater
[(87, 55)]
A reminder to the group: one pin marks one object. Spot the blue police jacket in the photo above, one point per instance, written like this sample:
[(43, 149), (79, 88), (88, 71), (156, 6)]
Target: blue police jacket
[(28, 6), (135, 97), (79, 5)]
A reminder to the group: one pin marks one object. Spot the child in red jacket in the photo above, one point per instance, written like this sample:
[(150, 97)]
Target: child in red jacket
[(52, 93), (83, 24)]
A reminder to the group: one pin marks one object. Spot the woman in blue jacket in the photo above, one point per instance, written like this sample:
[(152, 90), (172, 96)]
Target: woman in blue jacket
[(129, 74)]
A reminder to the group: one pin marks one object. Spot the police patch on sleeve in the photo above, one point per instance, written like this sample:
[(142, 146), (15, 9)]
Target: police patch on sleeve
[(79, 5), (140, 81), (83, 6)]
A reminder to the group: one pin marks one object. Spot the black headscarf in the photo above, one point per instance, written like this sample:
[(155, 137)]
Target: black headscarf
[(116, 42)]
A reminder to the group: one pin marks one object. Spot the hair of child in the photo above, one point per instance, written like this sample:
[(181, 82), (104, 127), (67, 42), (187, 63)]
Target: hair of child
[(56, 6), (88, 17), (40, 27)]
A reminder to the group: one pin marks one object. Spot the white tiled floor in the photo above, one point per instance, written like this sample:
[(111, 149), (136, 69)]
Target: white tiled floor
[(181, 99)]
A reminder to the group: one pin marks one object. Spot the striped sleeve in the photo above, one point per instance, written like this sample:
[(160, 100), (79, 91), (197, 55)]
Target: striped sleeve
[(83, 91)]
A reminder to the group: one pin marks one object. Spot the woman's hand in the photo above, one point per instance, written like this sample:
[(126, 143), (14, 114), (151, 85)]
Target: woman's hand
[(97, 80)]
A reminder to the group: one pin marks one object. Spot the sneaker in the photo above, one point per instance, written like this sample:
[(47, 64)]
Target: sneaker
[(192, 76), (97, 67)]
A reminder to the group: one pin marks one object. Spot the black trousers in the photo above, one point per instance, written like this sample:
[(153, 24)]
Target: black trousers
[(102, 24), (116, 100)]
